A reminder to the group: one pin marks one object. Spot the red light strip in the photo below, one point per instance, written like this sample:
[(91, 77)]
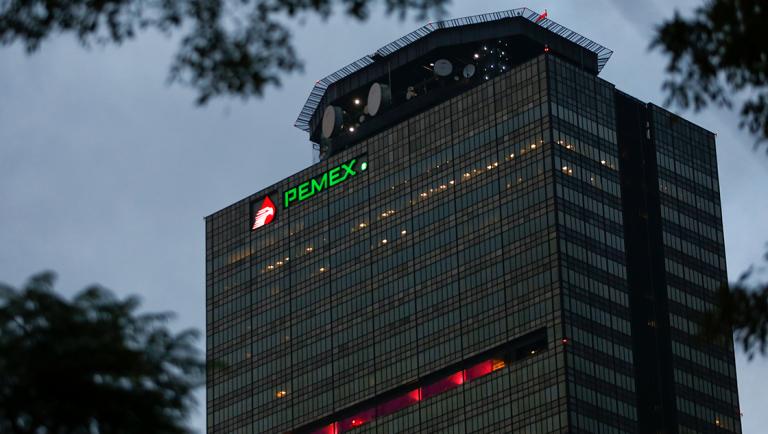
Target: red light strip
[(399, 403)]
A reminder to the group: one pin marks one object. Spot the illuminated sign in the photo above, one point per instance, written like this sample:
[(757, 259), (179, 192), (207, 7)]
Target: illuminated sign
[(265, 214), (335, 176)]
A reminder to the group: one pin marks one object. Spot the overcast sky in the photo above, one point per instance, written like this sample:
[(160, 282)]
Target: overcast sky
[(106, 173)]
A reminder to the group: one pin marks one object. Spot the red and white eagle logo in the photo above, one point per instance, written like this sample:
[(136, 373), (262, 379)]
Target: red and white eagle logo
[(265, 214)]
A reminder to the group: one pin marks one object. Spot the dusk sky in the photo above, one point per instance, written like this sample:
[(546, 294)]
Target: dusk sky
[(106, 172)]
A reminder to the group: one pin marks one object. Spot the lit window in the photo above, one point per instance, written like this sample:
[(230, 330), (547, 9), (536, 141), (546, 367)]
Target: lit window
[(280, 394)]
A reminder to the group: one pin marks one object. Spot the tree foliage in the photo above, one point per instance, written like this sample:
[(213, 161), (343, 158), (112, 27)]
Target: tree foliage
[(228, 47), (717, 56), (720, 52), (91, 365)]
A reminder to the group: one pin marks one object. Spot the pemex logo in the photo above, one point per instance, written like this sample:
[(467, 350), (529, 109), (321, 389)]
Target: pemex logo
[(265, 214)]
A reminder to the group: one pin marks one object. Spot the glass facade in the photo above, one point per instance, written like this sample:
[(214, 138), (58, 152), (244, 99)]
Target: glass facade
[(694, 264), (471, 277), (593, 270)]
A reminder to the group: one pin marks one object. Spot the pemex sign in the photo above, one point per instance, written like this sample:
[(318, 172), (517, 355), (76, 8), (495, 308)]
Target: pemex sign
[(324, 181), (264, 211)]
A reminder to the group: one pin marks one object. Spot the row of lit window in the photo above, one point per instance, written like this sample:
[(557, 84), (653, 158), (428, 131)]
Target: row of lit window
[(569, 169), (390, 212), (588, 151)]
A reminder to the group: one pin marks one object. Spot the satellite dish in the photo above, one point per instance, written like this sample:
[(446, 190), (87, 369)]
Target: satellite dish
[(443, 68), (379, 96), (468, 71), (332, 119), (410, 93)]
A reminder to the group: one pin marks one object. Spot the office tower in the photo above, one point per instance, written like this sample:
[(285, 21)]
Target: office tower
[(494, 240)]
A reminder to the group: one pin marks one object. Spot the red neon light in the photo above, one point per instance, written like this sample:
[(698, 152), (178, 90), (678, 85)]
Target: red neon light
[(357, 420), (546, 48), (542, 16), (265, 214), (396, 404), (479, 370), (457, 378), (330, 429), (440, 386), (413, 397)]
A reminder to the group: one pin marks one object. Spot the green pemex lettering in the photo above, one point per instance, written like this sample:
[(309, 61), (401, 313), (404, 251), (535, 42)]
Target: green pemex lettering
[(320, 186), (332, 177), (290, 196)]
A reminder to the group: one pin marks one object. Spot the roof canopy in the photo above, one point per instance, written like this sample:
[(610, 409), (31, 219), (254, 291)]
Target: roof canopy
[(318, 91)]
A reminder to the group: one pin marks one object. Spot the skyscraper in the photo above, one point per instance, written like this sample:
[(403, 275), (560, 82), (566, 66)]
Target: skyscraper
[(494, 240)]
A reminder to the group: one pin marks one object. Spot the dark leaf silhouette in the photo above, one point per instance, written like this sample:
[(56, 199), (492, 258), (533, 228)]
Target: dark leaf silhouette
[(91, 364), (719, 55), (228, 47)]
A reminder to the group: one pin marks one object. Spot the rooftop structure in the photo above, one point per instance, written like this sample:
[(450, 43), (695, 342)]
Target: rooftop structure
[(408, 64)]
